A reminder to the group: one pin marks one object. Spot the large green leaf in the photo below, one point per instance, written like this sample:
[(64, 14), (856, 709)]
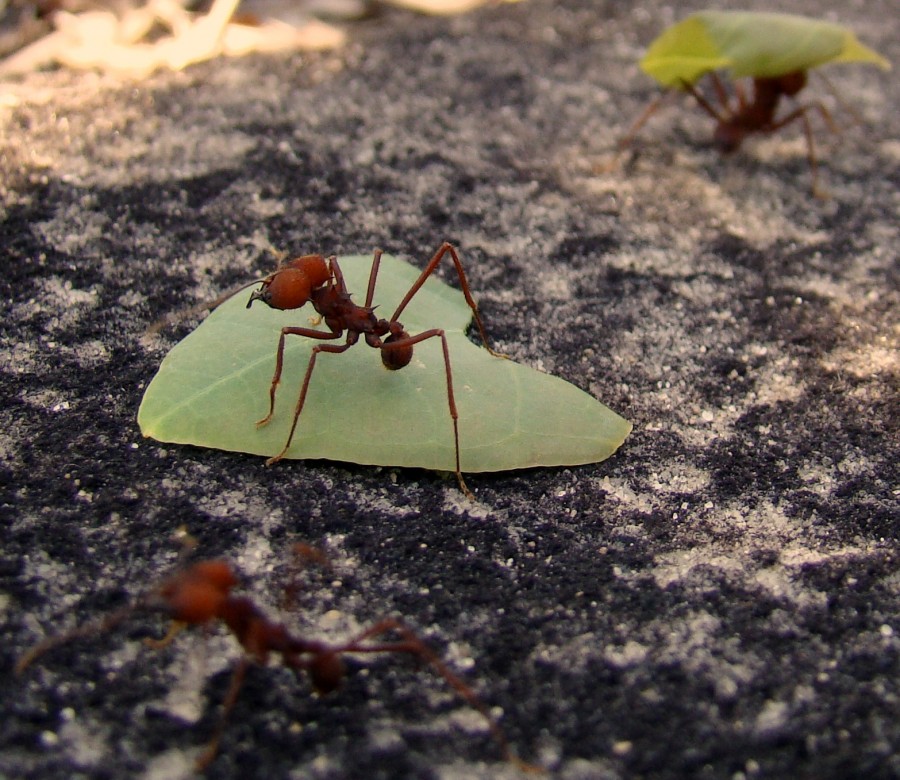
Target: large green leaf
[(213, 386), (748, 43)]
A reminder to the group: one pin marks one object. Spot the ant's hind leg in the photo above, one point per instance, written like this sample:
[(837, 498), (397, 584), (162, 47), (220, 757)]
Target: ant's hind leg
[(625, 142), (801, 115), (410, 341), (448, 249), (722, 93), (413, 644), (175, 628)]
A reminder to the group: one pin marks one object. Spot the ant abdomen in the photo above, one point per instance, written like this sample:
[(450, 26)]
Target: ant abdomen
[(728, 137), (397, 357), (791, 83), (326, 672)]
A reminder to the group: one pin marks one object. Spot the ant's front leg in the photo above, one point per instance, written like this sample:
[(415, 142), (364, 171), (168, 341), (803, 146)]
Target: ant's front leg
[(722, 94), (279, 361), (335, 349), (234, 688), (447, 249), (337, 274), (723, 116)]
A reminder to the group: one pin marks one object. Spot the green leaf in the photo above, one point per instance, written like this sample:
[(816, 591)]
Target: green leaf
[(214, 385), (764, 45)]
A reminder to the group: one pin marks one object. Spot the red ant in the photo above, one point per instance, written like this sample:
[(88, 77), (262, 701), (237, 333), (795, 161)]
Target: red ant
[(201, 594), (318, 280), (754, 115)]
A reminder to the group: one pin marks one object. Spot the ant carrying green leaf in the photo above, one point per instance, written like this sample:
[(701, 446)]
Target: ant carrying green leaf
[(776, 51), (433, 400)]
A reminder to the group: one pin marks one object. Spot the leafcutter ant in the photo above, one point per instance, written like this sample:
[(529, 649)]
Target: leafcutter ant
[(318, 280), (201, 595), (736, 119), (774, 50)]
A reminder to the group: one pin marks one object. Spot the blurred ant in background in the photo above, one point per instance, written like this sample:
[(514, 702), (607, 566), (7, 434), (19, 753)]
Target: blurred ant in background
[(201, 594)]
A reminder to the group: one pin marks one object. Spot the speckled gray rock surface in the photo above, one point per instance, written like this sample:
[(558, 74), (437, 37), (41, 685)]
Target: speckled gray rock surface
[(721, 599)]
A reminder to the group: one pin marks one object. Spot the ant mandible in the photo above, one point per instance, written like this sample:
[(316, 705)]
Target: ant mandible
[(747, 116), (318, 280), (201, 594)]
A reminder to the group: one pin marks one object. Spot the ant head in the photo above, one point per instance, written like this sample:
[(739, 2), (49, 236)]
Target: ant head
[(314, 266), (196, 594), (397, 357), (291, 286), (217, 573), (326, 671)]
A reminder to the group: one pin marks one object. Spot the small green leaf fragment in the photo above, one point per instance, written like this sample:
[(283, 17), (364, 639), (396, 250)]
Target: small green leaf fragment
[(683, 52), (760, 45), (214, 385)]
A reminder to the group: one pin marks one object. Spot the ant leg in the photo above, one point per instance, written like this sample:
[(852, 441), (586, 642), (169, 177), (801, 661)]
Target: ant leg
[(310, 554), (412, 644), (801, 115), (447, 248), (336, 272), (373, 278), (811, 156), (704, 103), (332, 348), (649, 110), (722, 93), (279, 361), (175, 628), (234, 688), (451, 401), (845, 106), (304, 556), (741, 96), (624, 143)]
